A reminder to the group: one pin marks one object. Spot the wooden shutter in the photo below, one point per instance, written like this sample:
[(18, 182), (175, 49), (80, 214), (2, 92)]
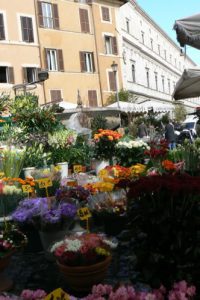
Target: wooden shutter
[(27, 29), (82, 61), (24, 74), (40, 16), (10, 75), (84, 20), (93, 64), (56, 23), (55, 95), (112, 81), (114, 45), (45, 59), (2, 30), (92, 97), (105, 13), (60, 60), (30, 30)]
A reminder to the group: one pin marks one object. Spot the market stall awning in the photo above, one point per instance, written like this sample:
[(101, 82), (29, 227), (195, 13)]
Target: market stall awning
[(67, 105), (126, 106), (188, 31), (188, 85), (156, 106)]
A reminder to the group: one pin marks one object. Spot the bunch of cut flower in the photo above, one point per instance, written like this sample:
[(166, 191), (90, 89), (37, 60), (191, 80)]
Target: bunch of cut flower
[(158, 151), (64, 193), (166, 167), (45, 214), (11, 239), (83, 250), (180, 291), (104, 144)]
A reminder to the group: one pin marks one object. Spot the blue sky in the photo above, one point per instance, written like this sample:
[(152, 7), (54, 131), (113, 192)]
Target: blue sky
[(164, 13)]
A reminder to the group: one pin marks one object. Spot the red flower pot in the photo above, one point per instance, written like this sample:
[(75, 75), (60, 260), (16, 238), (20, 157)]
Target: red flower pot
[(5, 283), (81, 279)]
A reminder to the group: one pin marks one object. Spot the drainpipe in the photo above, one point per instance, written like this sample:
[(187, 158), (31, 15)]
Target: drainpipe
[(39, 47)]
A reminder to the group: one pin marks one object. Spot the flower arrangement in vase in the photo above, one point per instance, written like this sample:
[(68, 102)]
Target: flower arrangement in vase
[(83, 259), (104, 144)]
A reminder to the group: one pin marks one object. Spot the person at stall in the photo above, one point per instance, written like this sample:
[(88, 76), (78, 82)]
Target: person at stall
[(170, 135)]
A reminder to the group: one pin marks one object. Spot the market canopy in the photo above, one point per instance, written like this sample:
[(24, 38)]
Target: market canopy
[(126, 106), (156, 106), (188, 31), (188, 85)]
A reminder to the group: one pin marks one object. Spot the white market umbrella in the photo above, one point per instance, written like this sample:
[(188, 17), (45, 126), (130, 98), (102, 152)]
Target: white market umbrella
[(126, 106)]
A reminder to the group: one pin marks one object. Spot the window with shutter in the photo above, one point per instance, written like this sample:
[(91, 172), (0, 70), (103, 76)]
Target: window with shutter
[(87, 62), (55, 95), (60, 60), (105, 14), (84, 20), (27, 29), (30, 74), (6, 74), (112, 81), (48, 15), (92, 98), (2, 29), (55, 16), (54, 60)]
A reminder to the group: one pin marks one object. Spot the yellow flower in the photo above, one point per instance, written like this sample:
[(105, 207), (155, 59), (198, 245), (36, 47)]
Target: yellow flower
[(102, 251)]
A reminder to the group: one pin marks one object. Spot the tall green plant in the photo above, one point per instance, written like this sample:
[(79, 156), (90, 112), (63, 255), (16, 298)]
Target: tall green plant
[(13, 160)]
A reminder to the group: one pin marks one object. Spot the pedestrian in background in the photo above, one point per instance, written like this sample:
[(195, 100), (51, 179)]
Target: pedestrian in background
[(142, 130), (170, 135)]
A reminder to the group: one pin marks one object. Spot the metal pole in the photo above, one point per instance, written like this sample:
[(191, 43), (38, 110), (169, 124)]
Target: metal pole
[(117, 97)]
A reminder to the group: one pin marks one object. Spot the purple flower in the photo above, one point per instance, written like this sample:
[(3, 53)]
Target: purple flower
[(52, 216), (68, 210)]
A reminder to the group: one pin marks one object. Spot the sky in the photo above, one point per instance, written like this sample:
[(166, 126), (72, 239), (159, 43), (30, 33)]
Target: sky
[(165, 13)]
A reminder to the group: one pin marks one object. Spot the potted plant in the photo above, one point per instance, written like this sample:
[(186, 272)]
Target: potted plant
[(11, 239), (52, 218), (83, 259)]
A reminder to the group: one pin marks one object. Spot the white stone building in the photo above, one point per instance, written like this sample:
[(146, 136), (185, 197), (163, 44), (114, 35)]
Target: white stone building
[(151, 61)]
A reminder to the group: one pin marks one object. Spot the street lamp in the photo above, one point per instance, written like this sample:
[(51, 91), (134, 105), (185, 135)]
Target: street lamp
[(114, 67)]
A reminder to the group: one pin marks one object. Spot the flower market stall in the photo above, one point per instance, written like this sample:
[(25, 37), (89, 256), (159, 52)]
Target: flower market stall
[(127, 230)]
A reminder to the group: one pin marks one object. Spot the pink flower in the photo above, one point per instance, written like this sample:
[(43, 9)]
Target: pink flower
[(39, 294), (191, 291), (27, 294)]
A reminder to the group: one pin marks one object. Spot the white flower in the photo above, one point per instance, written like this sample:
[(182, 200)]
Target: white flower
[(74, 245), (56, 245), (111, 244)]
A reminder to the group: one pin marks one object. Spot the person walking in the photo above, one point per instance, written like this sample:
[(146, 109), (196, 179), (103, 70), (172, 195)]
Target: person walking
[(170, 135), (142, 130)]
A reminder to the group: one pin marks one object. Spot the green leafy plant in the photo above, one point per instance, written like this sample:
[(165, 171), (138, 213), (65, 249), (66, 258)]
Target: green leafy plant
[(36, 156), (12, 161), (98, 122)]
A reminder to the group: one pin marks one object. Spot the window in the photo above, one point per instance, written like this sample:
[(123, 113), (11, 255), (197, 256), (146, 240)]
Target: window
[(105, 14), (84, 20), (87, 62), (147, 76), (170, 58), (165, 54), (151, 43), (128, 25), (48, 15), (2, 29), (6, 75), (163, 83), (30, 74), (142, 36), (54, 60), (156, 80), (92, 97), (55, 95), (112, 81), (133, 72), (27, 29), (169, 86), (158, 49), (111, 45)]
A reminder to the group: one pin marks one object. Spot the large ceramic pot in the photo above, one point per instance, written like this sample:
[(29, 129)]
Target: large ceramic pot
[(5, 283), (81, 279)]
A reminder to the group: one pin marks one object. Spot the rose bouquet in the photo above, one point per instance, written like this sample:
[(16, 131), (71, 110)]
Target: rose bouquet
[(45, 214), (83, 250), (104, 144)]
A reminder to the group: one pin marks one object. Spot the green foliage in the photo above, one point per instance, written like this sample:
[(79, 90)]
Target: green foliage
[(164, 228), (98, 122), (123, 96), (180, 113), (36, 156), (4, 101), (24, 103)]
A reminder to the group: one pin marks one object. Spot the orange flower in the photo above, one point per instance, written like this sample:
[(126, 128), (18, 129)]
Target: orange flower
[(168, 165)]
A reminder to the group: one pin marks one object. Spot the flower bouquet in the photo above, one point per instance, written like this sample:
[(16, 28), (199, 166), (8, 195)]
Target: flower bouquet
[(104, 144), (83, 259), (130, 152), (12, 161)]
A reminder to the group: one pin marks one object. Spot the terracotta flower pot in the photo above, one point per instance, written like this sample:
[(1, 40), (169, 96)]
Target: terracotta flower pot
[(81, 279), (5, 283)]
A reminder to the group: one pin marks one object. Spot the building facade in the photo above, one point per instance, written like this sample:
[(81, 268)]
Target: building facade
[(151, 62)]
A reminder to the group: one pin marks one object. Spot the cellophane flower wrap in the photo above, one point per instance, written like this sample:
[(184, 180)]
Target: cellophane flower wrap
[(83, 250), (104, 144)]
